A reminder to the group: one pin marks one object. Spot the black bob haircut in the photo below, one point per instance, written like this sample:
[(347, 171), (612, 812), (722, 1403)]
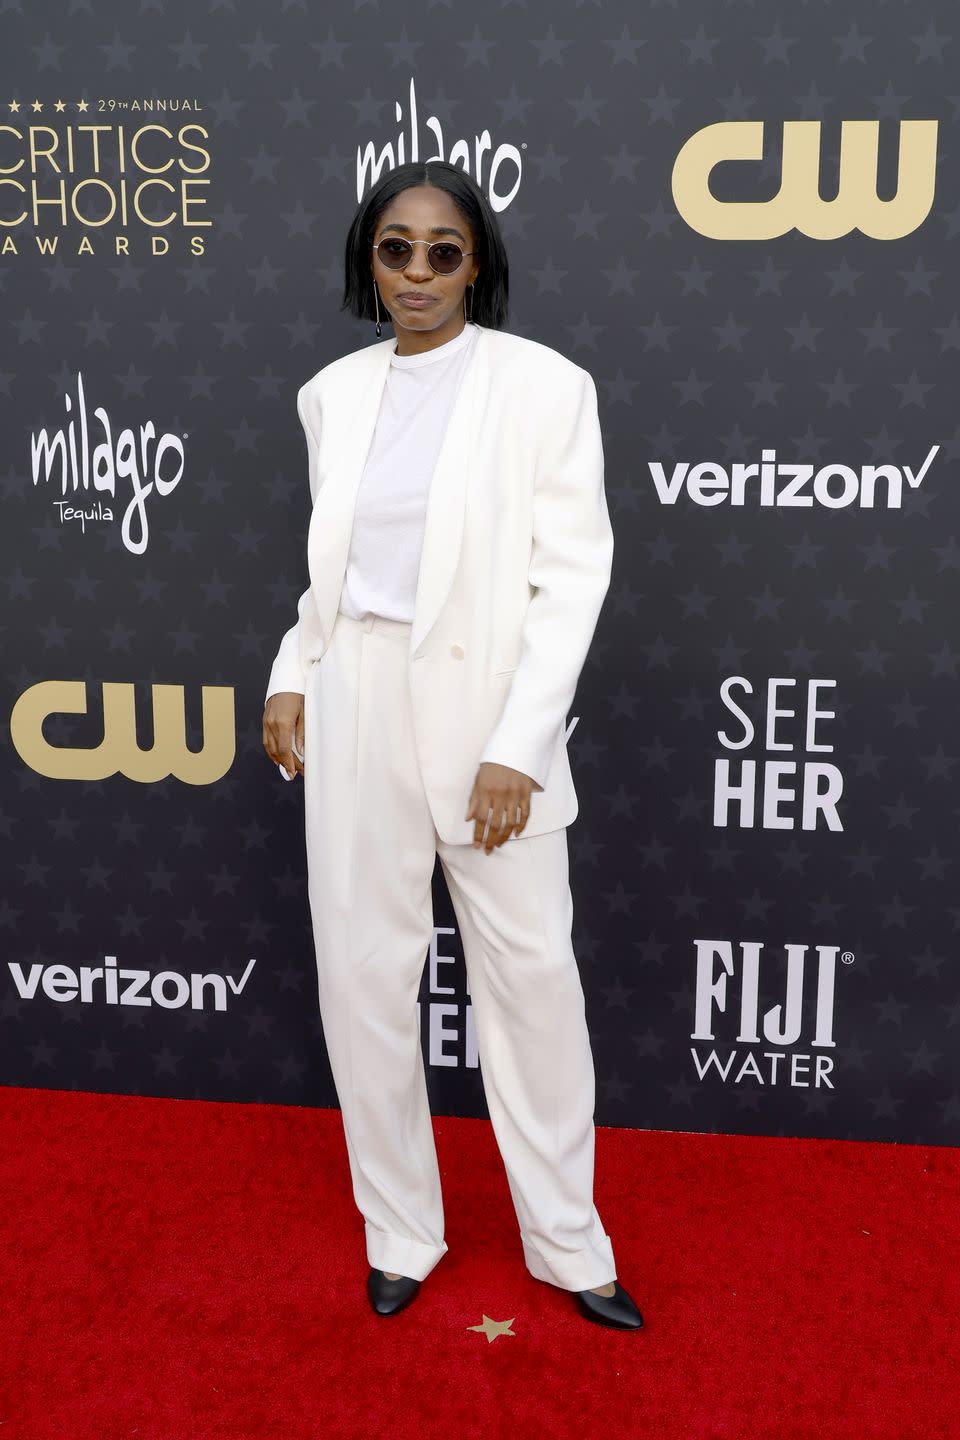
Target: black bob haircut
[(491, 287)]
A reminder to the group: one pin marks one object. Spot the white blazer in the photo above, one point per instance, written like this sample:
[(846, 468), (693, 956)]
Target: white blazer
[(516, 561)]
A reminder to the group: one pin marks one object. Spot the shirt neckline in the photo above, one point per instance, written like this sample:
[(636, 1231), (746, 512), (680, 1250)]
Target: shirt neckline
[(439, 352)]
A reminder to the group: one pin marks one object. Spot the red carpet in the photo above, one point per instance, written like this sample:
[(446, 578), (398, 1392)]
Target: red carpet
[(183, 1270)]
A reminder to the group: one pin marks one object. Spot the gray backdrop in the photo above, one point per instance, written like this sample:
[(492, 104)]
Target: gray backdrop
[(766, 904)]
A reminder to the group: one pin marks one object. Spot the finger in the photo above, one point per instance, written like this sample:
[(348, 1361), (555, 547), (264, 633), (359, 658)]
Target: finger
[(300, 734), (499, 830), (515, 826), (286, 756), (270, 743), (269, 737), (273, 744), (481, 827), (476, 812)]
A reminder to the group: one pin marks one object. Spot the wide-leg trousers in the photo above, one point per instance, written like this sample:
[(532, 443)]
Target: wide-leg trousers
[(371, 851)]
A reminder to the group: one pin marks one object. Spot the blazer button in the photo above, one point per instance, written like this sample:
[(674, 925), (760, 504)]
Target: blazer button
[(457, 651)]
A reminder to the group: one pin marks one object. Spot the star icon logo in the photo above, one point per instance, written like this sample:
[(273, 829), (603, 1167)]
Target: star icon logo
[(494, 1328)]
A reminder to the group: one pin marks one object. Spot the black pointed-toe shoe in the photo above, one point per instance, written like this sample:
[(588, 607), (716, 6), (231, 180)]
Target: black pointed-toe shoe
[(389, 1296), (617, 1309)]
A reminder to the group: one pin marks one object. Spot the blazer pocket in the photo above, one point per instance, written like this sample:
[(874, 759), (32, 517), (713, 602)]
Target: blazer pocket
[(495, 673)]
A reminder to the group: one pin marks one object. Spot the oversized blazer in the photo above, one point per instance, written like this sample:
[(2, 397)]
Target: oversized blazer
[(516, 561)]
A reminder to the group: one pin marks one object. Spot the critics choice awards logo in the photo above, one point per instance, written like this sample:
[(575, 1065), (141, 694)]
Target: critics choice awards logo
[(98, 181)]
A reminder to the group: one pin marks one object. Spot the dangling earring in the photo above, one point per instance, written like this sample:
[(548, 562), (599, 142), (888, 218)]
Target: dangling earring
[(465, 315), (376, 305)]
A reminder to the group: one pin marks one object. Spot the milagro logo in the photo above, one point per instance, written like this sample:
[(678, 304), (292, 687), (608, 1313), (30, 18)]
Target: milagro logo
[(787, 485), (777, 1047), (99, 460), (468, 154), (109, 984)]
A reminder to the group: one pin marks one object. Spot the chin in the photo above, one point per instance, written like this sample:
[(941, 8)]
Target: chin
[(407, 315)]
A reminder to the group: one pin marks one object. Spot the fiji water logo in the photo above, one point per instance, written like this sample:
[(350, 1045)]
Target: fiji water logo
[(785, 1044), (91, 457)]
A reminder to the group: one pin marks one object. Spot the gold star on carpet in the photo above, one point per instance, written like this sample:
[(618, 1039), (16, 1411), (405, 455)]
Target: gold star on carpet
[(493, 1328)]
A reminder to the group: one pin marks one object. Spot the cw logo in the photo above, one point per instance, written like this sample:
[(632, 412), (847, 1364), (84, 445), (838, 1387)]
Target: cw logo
[(797, 205), (118, 752)]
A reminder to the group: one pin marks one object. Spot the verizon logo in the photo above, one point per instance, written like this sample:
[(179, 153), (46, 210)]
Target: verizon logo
[(785, 483), (110, 984)]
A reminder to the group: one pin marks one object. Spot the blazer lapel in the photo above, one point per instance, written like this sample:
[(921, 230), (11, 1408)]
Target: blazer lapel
[(331, 520), (446, 498)]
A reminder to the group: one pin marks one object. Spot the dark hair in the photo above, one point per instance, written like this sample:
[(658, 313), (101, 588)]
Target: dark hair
[(491, 287)]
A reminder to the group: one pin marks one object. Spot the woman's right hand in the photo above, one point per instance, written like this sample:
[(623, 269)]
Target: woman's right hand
[(282, 727)]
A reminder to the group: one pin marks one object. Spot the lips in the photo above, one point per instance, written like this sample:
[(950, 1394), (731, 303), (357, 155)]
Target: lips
[(416, 301)]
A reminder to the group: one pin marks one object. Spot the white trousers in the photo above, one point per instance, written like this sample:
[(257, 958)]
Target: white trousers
[(371, 851)]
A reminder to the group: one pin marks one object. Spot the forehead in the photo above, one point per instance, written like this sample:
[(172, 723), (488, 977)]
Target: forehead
[(422, 211)]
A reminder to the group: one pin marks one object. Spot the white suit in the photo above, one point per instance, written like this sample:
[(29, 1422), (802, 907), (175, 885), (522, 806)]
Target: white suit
[(515, 564)]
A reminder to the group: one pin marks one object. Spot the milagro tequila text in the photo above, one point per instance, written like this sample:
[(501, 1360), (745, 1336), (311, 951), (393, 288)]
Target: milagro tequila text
[(90, 454)]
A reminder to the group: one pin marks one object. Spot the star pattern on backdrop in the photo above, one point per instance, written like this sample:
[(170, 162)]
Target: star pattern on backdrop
[(836, 353)]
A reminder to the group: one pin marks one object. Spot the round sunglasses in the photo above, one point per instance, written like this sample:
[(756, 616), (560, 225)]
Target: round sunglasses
[(445, 257)]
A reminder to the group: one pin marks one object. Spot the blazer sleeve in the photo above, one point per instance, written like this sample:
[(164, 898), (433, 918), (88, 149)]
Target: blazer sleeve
[(287, 672), (570, 567)]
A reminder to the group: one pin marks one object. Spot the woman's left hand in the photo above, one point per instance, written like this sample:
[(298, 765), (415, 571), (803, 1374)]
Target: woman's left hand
[(507, 793)]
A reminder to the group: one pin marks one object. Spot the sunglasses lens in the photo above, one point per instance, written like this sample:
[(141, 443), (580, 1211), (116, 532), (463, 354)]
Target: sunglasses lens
[(395, 253), (445, 257)]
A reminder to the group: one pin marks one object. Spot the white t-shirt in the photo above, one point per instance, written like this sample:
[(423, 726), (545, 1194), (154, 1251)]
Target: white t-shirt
[(386, 540)]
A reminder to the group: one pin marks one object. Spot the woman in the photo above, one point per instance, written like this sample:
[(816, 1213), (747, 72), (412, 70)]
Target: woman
[(459, 550)]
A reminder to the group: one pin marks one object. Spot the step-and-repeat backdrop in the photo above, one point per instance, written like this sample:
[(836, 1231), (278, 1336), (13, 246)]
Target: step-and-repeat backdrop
[(743, 221)]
